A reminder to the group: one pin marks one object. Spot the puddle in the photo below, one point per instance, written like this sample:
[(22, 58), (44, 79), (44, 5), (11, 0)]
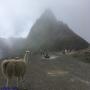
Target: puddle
[(51, 57), (57, 72)]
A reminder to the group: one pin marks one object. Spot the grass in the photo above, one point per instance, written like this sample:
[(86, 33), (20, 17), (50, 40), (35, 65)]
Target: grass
[(83, 56)]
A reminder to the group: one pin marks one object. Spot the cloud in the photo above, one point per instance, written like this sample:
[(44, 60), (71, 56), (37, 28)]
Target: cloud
[(17, 16)]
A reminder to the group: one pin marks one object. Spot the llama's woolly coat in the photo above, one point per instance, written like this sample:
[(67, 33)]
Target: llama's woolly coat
[(13, 68)]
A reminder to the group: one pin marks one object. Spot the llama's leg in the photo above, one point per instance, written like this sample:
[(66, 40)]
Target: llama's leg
[(17, 81), (7, 82), (21, 80), (28, 61)]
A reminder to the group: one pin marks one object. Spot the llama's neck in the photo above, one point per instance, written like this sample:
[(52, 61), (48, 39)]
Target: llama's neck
[(26, 57)]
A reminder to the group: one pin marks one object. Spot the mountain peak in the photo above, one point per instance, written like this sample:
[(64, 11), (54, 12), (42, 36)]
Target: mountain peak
[(47, 32), (48, 14)]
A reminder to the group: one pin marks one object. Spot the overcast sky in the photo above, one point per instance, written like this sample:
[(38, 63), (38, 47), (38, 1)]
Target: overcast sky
[(17, 16)]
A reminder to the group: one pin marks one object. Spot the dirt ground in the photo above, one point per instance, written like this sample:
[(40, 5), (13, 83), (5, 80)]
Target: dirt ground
[(60, 72)]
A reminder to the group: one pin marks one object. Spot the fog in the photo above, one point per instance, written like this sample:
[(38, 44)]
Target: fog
[(18, 16)]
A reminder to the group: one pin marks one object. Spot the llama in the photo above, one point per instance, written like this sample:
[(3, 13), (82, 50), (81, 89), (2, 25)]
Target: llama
[(14, 68)]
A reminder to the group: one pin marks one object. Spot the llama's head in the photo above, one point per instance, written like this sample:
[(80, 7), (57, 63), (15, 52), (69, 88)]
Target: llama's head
[(28, 52), (27, 56)]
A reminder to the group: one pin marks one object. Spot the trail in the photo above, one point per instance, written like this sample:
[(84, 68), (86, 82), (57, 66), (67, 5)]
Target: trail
[(60, 72)]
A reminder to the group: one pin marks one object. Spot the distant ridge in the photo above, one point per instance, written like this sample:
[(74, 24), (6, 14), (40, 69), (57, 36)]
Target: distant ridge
[(48, 32)]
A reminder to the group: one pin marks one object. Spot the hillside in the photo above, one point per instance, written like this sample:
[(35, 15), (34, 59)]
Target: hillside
[(49, 33), (46, 33), (83, 55)]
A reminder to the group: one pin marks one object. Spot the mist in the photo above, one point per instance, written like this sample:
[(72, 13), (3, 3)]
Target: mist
[(17, 17)]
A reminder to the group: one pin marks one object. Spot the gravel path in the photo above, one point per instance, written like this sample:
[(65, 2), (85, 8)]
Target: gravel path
[(59, 73)]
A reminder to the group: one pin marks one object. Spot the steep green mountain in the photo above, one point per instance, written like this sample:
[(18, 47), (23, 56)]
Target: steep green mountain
[(49, 33), (46, 33)]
